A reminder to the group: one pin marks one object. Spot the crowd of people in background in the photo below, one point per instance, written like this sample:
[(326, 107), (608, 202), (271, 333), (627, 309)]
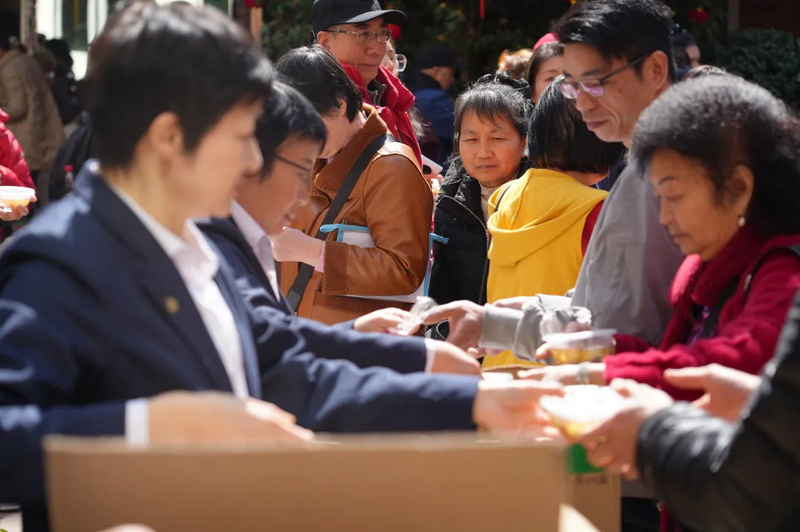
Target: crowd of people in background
[(259, 234)]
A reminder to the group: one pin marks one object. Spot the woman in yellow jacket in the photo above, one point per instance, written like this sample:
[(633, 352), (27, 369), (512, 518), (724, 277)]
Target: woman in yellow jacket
[(542, 222)]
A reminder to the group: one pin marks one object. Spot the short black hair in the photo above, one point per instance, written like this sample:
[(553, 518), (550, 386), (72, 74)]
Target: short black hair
[(150, 59), (559, 138), (543, 53), (684, 39), (287, 115), (722, 122), (620, 29), (495, 97), (681, 57), (319, 77)]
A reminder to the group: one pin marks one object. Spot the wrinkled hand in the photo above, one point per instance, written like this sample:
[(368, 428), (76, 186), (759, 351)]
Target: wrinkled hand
[(451, 359), (566, 374), (383, 321), (292, 245), (185, 417), (727, 391), (466, 322), (513, 407), (612, 444)]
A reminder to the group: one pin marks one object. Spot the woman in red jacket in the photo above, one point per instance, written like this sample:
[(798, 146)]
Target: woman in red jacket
[(14, 171), (723, 156)]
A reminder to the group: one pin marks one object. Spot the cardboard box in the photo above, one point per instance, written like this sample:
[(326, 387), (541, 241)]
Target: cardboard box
[(376, 483), (592, 491)]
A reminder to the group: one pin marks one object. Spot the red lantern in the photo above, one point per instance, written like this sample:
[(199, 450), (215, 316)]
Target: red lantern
[(699, 16)]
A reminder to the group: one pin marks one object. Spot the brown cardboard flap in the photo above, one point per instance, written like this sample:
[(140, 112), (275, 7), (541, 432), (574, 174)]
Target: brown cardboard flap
[(376, 483)]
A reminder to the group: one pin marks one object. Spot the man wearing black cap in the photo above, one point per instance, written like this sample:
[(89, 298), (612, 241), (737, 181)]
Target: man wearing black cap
[(437, 72), (355, 32)]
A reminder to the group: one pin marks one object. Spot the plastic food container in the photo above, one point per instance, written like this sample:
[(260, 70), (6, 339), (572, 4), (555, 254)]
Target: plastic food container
[(16, 196), (582, 408), (585, 346)]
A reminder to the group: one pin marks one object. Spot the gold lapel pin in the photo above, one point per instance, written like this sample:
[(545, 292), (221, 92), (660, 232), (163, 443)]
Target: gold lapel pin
[(172, 305)]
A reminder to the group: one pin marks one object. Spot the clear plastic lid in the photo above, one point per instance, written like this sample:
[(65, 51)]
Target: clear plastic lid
[(17, 193)]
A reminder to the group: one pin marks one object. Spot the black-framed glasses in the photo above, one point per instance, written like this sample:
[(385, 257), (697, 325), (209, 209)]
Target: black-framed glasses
[(292, 163), (594, 87), (365, 36)]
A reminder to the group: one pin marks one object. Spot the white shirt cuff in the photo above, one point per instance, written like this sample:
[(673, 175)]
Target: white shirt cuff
[(430, 345), (137, 422)]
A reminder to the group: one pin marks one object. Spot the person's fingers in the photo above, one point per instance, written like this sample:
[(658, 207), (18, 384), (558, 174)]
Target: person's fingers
[(21, 211), (688, 378), (536, 374), (263, 410), (475, 352), (601, 455), (592, 437), (543, 352), (34, 199), (443, 312), (631, 474), (512, 302), (703, 403), (624, 387), (532, 390)]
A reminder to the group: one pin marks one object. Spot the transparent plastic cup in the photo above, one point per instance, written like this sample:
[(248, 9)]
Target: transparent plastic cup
[(16, 196), (414, 320), (585, 346), (581, 409)]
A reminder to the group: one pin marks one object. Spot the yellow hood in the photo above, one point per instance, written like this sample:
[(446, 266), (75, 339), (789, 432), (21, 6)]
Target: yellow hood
[(535, 210)]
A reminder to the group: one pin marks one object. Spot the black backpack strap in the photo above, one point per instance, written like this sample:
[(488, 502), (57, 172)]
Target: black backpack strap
[(305, 271), (749, 279), (713, 317)]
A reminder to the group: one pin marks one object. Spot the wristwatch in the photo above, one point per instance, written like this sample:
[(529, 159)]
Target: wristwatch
[(582, 377)]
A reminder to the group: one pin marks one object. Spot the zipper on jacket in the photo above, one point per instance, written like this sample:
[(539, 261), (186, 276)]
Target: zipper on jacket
[(483, 295)]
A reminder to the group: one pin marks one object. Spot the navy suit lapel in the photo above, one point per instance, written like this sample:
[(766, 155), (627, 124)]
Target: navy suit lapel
[(160, 280), (240, 315), (278, 301)]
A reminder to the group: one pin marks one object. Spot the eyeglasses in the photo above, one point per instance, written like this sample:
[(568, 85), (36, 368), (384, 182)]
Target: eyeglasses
[(401, 62), (292, 163), (594, 87), (365, 36)]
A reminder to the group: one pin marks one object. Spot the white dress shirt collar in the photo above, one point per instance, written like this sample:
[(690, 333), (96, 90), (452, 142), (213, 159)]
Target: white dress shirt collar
[(259, 242), (189, 248)]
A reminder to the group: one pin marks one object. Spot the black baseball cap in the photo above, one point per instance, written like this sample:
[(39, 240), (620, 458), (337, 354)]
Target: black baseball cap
[(327, 13), (437, 54)]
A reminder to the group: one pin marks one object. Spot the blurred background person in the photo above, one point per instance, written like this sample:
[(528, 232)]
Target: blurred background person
[(545, 65), (436, 68), (33, 116), (514, 62), (356, 34), (491, 127)]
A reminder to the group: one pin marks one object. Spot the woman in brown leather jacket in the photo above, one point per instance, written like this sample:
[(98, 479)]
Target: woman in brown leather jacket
[(391, 199)]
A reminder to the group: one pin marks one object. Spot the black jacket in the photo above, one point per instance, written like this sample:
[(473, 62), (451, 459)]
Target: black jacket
[(718, 477), (460, 266)]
